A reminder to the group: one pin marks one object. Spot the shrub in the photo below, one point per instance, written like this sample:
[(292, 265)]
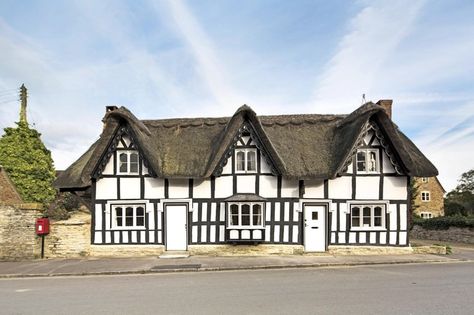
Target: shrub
[(60, 209), (452, 208), (443, 223)]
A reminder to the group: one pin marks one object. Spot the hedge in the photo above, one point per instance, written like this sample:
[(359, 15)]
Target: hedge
[(444, 223)]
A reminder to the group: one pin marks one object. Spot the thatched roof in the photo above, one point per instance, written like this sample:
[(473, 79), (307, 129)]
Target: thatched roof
[(297, 146)]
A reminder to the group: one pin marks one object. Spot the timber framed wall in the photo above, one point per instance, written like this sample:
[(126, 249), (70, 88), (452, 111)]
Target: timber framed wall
[(282, 198)]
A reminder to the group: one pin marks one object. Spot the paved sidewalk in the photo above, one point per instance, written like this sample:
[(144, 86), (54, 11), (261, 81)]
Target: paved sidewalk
[(97, 266)]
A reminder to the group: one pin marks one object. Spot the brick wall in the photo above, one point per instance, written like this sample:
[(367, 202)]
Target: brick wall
[(17, 231)]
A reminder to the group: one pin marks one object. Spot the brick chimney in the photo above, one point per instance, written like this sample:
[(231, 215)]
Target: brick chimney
[(110, 108), (387, 106)]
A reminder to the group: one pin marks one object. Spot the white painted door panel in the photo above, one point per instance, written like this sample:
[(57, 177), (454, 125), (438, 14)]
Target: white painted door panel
[(315, 228), (176, 229)]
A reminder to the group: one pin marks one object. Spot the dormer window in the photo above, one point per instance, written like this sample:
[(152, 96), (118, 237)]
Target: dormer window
[(127, 162), (246, 160), (367, 161)]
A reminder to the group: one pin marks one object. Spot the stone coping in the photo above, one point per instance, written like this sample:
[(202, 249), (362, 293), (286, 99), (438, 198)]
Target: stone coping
[(24, 206)]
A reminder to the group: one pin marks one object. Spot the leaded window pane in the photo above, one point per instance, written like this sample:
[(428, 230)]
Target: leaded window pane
[(372, 161), (140, 216), (366, 216), (134, 163), (355, 221), (366, 211), (234, 215), (377, 211), (245, 214), (355, 211), (123, 163), (378, 221), (361, 161), (118, 216), (257, 215), (129, 216), (241, 161), (251, 161)]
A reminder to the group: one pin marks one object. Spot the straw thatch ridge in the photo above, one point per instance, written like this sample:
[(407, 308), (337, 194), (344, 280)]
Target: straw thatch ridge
[(298, 146)]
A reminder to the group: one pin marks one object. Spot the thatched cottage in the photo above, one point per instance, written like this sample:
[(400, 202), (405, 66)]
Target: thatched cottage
[(288, 183)]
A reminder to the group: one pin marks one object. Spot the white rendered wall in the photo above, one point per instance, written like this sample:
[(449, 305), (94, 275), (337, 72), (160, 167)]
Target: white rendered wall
[(268, 186), (109, 167), (395, 188), (202, 188), (367, 187), (314, 189), (129, 188), (340, 188), (227, 169), (178, 188), (246, 184), (154, 188), (264, 167), (223, 187), (387, 165), (289, 188), (106, 188)]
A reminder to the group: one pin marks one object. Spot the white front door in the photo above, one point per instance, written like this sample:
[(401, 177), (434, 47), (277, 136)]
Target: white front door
[(176, 229), (314, 228)]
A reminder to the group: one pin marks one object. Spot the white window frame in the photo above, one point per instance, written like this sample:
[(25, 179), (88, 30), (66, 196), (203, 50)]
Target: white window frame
[(246, 154), (384, 207), (426, 215), (424, 179), (367, 152), (251, 226), (128, 153), (113, 212), (425, 196)]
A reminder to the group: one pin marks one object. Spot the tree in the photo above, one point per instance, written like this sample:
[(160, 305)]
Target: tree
[(466, 182), (460, 201), (27, 161)]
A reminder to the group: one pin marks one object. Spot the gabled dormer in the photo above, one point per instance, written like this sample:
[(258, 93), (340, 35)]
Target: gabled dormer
[(373, 154), (122, 156), (245, 143)]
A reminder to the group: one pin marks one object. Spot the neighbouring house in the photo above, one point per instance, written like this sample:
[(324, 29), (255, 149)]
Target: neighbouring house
[(292, 183), (8, 192), (430, 200)]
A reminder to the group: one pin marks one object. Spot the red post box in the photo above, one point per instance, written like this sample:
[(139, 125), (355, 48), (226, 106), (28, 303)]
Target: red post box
[(42, 226)]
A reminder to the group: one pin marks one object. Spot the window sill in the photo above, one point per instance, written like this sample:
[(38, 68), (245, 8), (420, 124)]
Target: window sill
[(126, 228), (243, 227), (368, 229)]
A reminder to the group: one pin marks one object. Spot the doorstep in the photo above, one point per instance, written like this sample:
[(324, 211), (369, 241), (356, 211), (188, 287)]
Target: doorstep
[(174, 254)]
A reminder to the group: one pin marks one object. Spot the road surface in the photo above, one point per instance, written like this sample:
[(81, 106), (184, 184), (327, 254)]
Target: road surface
[(390, 289)]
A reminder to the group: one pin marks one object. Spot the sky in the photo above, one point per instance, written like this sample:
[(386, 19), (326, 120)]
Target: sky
[(205, 58)]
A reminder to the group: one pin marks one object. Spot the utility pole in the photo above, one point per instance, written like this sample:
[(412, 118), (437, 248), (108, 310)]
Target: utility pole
[(23, 99)]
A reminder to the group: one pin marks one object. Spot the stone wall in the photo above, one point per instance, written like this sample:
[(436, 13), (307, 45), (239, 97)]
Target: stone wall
[(17, 231), (453, 234), (69, 238), (435, 205)]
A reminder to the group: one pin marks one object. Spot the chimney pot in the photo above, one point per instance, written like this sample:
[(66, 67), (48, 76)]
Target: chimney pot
[(110, 108), (387, 106)]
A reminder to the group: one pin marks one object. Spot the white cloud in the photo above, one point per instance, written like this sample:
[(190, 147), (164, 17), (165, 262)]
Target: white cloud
[(357, 65), (210, 66)]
